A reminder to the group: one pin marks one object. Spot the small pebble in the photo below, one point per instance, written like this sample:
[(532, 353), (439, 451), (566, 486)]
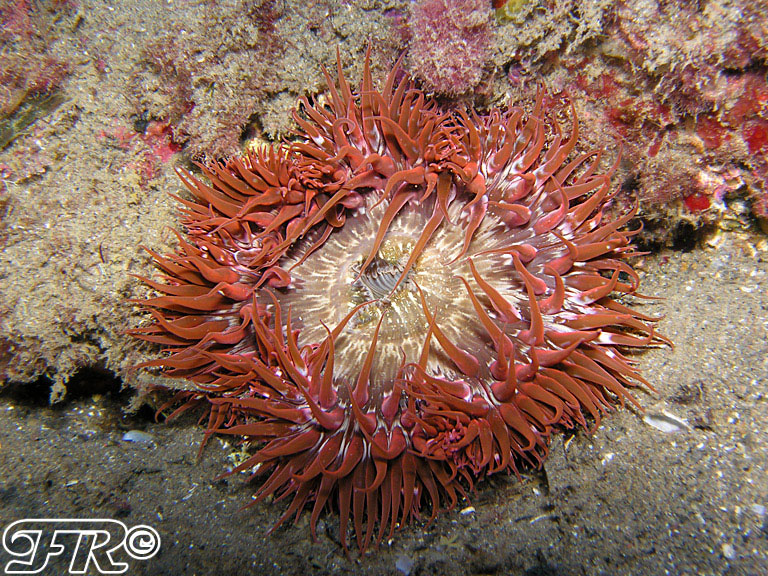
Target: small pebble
[(729, 552), (467, 510), (138, 436), (404, 564), (758, 509)]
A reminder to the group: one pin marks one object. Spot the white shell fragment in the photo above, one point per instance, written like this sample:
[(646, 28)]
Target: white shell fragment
[(138, 436), (666, 422)]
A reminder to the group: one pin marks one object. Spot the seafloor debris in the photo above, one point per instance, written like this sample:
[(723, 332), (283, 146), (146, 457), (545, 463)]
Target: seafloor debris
[(666, 422)]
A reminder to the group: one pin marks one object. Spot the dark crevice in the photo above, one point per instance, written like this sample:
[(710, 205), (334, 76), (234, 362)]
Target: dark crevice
[(31, 394), (85, 383), (686, 236)]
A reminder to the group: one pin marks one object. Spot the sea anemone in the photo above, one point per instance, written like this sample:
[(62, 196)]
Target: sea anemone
[(400, 301)]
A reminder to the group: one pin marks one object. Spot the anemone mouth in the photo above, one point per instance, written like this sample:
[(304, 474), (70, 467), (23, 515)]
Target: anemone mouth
[(333, 281)]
